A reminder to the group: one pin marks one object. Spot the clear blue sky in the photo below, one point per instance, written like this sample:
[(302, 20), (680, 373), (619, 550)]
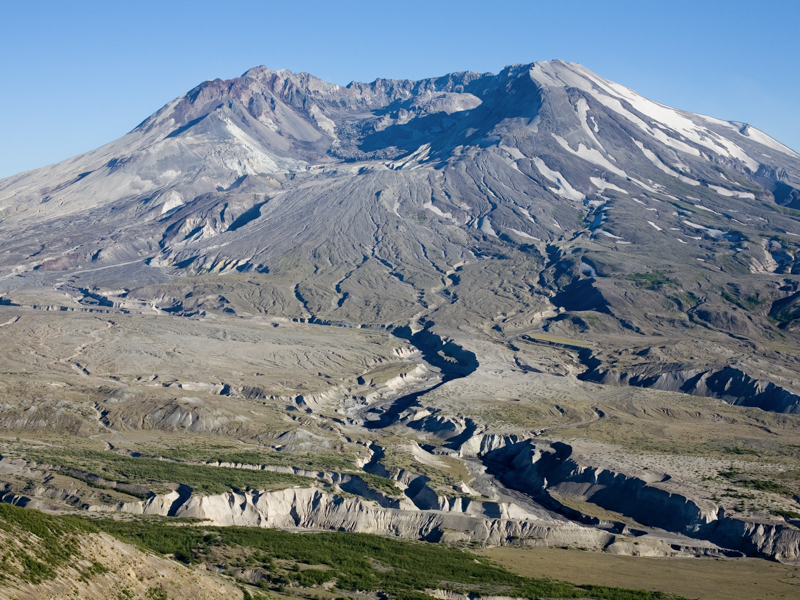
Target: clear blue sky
[(78, 74)]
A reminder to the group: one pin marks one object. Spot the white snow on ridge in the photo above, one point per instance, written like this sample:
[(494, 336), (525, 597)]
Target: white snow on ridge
[(651, 156), (657, 228), (603, 185), (590, 155), (610, 94), (582, 108), (762, 138), (522, 234), (615, 105), (564, 188), (726, 192), (715, 233), (173, 200), (754, 134)]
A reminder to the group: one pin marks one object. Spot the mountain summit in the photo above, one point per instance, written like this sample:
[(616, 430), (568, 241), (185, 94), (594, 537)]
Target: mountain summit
[(543, 196)]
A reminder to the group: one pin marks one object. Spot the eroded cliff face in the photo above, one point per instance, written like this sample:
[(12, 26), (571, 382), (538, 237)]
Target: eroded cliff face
[(732, 383), (314, 509), (553, 472)]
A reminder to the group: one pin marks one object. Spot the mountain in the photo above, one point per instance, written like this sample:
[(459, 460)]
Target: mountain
[(477, 201), (524, 298)]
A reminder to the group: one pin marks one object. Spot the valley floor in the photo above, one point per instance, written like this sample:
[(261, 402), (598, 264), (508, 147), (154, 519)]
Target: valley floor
[(709, 579)]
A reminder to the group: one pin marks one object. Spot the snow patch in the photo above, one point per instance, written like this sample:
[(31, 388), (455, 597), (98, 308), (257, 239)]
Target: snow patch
[(672, 119), (588, 269), (582, 108), (429, 206), (603, 185), (762, 138), (700, 206), (715, 233), (726, 192), (651, 156), (514, 152), (525, 212), (590, 155), (564, 188), (173, 200), (486, 226), (522, 234)]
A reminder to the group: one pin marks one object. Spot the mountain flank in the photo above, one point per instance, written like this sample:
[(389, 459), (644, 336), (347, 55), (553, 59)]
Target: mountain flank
[(525, 309)]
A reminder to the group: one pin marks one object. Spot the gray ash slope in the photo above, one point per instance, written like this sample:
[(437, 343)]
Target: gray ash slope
[(542, 198)]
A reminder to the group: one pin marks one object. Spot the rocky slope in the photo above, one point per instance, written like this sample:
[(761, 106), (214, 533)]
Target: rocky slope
[(412, 284), (104, 567), (553, 472), (542, 196)]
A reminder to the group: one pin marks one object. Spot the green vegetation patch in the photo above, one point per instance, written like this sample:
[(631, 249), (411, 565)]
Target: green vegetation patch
[(785, 210), (219, 453), (740, 451), (351, 562), (761, 485), (39, 543), (684, 300), (786, 514), (148, 471), (751, 302), (654, 280), (380, 484)]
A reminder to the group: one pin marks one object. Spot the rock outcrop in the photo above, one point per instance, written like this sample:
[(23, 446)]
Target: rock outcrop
[(314, 509), (548, 471), (728, 383)]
